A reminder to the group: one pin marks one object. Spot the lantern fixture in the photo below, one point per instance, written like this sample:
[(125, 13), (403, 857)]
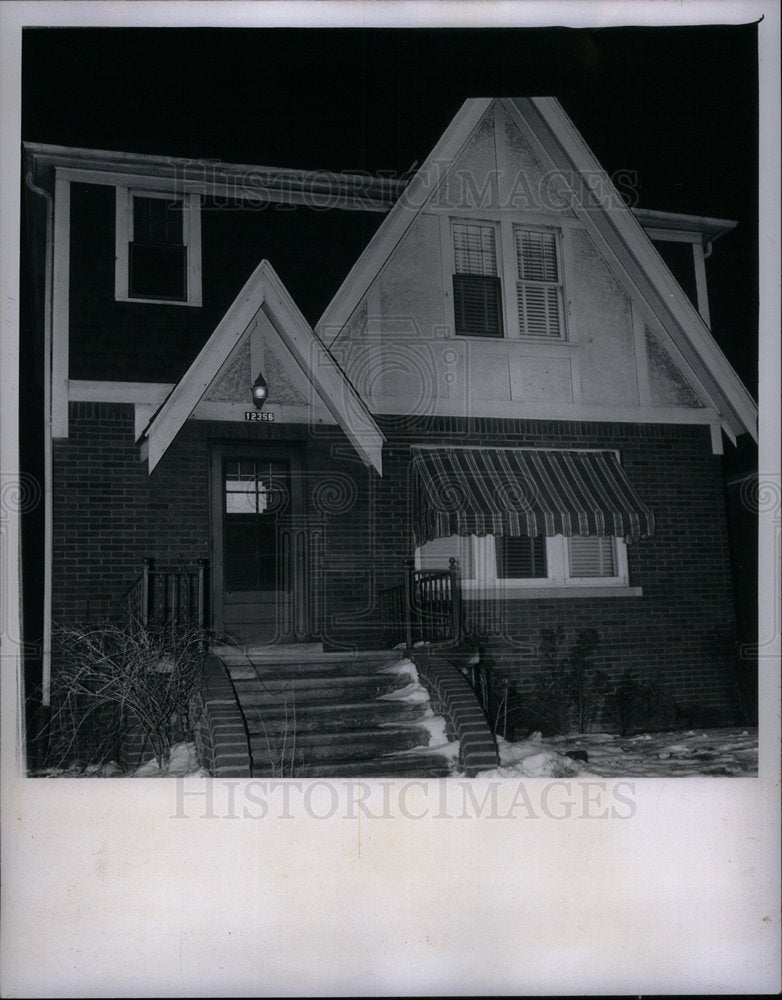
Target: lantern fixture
[(260, 391)]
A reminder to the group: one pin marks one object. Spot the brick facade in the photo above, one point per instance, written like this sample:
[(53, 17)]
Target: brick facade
[(110, 514)]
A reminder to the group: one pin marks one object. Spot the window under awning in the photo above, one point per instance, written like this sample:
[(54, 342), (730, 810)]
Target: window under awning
[(524, 491)]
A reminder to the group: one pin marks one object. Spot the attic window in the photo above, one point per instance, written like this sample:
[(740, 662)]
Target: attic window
[(477, 292), (538, 285), (158, 247)]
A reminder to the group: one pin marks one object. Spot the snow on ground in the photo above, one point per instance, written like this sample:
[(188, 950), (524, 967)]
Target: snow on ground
[(718, 752), (182, 763)]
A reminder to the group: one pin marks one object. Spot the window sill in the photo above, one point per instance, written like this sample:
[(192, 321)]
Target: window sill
[(511, 593), (157, 302)]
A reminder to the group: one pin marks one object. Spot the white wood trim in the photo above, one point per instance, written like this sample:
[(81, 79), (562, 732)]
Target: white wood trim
[(672, 235), (716, 438), (232, 189), (491, 214), (484, 580), (510, 305), (123, 235), (142, 414), (568, 264), (330, 382), (597, 225), (506, 409), (118, 392), (699, 263), (641, 359), (446, 270), (116, 178), (642, 267), (557, 592), (393, 228), (264, 291), (61, 305), (507, 447), (194, 250)]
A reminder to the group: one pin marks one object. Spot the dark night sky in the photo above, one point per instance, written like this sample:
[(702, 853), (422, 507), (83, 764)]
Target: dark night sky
[(677, 105)]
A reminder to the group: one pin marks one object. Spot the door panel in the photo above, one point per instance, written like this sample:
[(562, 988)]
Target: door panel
[(257, 588)]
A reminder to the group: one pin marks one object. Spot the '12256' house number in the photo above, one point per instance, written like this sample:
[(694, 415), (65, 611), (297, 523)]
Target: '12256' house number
[(258, 415)]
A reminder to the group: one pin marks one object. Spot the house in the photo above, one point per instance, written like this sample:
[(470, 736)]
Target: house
[(308, 379)]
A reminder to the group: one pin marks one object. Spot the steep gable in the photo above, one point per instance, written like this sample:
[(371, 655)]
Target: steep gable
[(263, 331), (607, 334)]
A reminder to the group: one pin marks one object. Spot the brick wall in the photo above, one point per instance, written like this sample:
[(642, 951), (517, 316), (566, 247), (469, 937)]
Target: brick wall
[(687, 601), (109, 515)]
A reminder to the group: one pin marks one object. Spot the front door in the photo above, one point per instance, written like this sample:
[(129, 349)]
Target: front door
[(257, 586)]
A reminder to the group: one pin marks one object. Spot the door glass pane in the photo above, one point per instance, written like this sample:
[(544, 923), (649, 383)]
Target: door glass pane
[(255, 491)]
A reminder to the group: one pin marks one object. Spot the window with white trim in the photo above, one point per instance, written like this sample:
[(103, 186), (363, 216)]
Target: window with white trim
[(158, 247), (532, 275), (518, 562), (539, 292), (477, 289)]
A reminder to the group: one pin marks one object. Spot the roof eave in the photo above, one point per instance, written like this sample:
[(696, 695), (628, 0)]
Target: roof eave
[(646, 270), (265, 290)]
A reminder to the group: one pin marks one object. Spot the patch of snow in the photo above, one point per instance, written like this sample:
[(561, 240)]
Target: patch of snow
[(728, 752), (448, 750), (411, 692), (182, 762), (403, 666), (436, 726)]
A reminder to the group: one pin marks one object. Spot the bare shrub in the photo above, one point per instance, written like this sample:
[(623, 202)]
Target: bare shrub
[(113, 679)]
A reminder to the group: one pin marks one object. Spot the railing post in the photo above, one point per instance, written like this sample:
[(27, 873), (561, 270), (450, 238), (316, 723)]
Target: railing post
[(408, 608), (147, 591), (203, 583), (456, 598)]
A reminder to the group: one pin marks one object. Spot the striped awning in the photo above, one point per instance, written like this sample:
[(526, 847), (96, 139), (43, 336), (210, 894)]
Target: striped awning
[(524, 491)]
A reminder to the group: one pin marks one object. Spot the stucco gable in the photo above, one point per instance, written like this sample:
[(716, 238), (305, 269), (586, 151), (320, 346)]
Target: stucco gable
[(621, 283), (264, 315)]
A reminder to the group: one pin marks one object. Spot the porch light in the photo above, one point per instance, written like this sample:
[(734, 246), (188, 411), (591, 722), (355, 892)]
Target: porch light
[(260, 391)]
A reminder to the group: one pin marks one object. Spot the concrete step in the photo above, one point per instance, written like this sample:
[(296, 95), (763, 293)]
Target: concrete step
[(331, 717), (411, 765), (315, 670), (309, 690), (346, 746), (315, 714), (290, 658)]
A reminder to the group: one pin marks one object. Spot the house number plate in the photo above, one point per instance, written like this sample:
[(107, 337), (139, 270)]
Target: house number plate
[(264, 415)]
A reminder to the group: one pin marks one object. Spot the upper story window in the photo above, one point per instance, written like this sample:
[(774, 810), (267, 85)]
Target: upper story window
[(538, 283), (158, 247), (477, 290), (531, 274)]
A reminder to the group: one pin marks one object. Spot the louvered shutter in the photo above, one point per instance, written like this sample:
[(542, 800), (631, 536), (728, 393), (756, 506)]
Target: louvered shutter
[(591, 555), (538, 285), (477, 291)]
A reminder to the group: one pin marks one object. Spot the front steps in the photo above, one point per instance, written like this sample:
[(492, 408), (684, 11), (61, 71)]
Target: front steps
[(315, 714)]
